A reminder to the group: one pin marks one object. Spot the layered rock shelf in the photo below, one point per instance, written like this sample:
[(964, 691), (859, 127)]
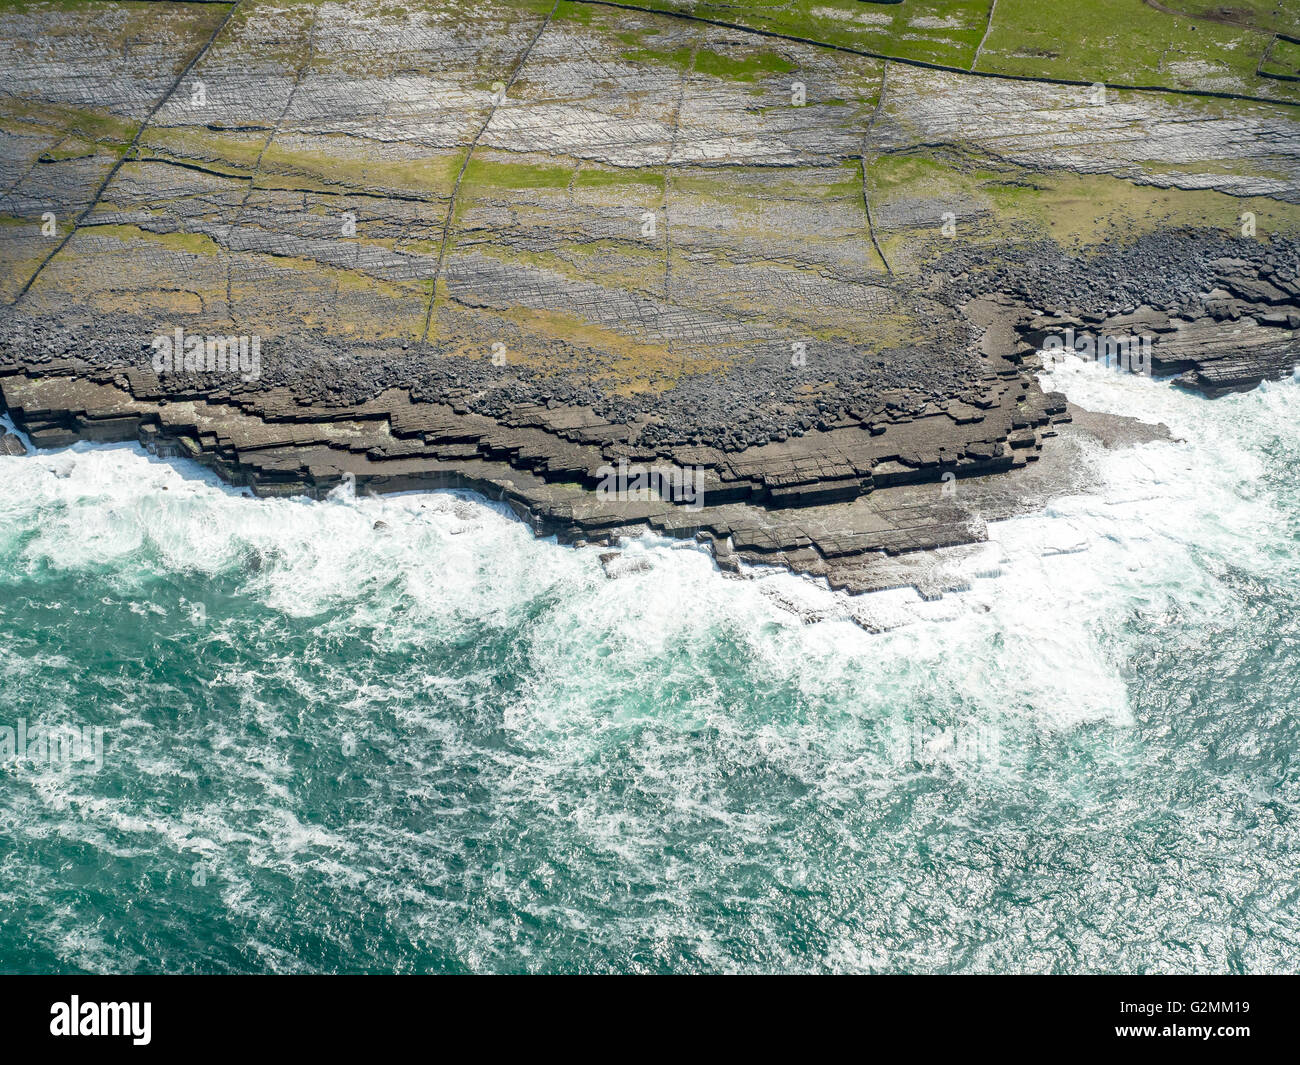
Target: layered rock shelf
[(509, 246)]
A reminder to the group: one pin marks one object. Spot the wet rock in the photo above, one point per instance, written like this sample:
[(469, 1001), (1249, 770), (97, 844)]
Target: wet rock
[(617, 564), (823, 467)]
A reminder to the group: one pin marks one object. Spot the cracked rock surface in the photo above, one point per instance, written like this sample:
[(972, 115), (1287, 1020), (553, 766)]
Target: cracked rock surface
[(510, 244)]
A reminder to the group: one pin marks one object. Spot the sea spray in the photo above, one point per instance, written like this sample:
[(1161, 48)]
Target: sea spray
[(446, 745)]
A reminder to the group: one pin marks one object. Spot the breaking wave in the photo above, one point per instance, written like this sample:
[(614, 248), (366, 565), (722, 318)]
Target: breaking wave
[(402, 734)]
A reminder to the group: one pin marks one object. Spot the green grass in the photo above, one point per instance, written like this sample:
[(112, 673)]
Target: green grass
[(1271, 16), (733, 185), (582, 13), (1125, 42), (1004, 203), (191, 243), (431, 175), (739, 64), (492, 173), (937, 31), (98, 126), (590, 177), (745, 66), (1283, 60)]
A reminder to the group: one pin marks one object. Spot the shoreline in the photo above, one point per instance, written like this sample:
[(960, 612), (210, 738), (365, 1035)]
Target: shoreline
[(548, 509), (878, 481)]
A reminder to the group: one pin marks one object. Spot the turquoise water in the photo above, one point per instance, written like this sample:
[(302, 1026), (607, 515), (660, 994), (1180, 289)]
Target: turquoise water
[(446, 746)]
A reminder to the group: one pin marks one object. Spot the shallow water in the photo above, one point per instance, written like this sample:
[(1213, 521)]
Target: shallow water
[(445, 745)]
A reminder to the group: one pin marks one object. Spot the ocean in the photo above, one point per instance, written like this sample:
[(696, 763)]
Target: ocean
[(403, 735)]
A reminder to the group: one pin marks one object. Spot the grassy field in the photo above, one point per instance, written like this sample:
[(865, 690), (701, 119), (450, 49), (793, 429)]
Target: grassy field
[(1271, 16), (1127, 42), (997, 205), (1283, 60), (734, 233)]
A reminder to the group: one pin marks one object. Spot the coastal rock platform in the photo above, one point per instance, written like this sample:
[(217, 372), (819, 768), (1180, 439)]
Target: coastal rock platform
[(514, 246)]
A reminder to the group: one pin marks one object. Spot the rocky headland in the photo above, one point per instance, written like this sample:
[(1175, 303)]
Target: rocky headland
[(514, 246)]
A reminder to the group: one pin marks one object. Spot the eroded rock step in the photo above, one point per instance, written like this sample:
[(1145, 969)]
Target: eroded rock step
[(819, 504)]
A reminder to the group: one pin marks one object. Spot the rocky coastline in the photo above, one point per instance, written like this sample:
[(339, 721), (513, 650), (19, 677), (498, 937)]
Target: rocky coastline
[(539, 251), (837, 490)]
